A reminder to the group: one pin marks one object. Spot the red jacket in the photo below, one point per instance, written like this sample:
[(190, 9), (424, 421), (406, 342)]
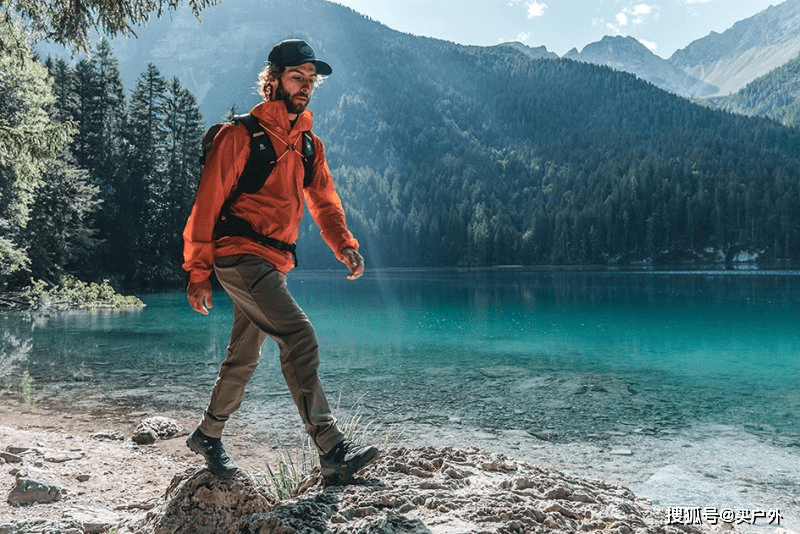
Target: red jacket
[(276, 209)]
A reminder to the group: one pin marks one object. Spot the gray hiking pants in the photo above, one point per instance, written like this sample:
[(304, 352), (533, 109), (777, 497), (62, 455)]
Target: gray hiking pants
[(264, 307)]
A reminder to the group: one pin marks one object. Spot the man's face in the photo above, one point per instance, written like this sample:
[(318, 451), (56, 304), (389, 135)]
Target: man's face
[(295, 87)]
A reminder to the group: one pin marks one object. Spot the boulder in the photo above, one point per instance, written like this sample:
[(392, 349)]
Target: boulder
[(32, 487), (154, 428)]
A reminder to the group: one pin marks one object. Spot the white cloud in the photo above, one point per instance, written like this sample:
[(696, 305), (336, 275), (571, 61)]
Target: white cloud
[(523, 37), (690, 2), (650, 45), (536, 9), (635, 15), (641, 10)]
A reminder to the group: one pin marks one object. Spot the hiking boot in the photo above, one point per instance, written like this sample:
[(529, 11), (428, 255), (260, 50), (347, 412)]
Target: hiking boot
[(341, 463), (217, 459)]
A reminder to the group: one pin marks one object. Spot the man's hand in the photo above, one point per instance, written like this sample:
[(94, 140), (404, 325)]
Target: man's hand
[(354, 262), (199, 295)]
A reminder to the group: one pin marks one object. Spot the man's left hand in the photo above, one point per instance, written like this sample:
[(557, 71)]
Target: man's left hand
[(354, 262)]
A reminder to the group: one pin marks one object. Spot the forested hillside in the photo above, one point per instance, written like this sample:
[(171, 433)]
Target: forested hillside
[(444, 155), (775, 95), (485, 157)]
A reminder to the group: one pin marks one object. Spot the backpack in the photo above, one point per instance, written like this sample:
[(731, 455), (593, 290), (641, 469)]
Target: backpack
[(259, 166)]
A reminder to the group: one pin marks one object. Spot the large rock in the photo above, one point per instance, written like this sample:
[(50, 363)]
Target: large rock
[(197, 502), (33, 487), (154, 428)]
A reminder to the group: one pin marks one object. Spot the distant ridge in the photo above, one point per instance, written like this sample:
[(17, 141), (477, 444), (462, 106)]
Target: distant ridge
[(716, 65), (746, 51), (538, 52), (629, 55)]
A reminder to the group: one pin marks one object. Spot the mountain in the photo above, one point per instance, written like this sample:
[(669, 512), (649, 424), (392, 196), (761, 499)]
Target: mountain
[(775, 95), (746, 51), (629, 55), (539, 52), (462, 155), (718, 64), (219, 56)]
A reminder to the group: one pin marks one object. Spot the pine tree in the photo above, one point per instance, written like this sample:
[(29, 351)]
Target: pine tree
[(110, 164), (66, 105), (29, 141), (183, 126), (111, 115), (140, 195), (62, 231), (71, 23), (88, 114)]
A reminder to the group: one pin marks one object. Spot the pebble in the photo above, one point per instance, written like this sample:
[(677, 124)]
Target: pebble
[(10, 457), (622, 452)]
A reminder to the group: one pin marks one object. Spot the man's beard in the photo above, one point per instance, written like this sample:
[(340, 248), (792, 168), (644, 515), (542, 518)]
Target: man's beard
[(292, 107)]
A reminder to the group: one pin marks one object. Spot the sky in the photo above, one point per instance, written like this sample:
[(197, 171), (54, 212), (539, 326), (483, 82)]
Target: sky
[(664, 26)]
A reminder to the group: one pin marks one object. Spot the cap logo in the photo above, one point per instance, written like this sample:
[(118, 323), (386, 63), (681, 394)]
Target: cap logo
[(305, 50)]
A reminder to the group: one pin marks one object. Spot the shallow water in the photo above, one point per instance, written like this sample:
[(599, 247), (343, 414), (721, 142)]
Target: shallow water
[(682, 386)]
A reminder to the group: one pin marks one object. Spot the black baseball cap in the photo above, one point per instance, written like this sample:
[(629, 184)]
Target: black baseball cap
[(294, 52)]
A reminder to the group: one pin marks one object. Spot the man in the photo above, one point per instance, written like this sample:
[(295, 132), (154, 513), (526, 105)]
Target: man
[(251, 266)]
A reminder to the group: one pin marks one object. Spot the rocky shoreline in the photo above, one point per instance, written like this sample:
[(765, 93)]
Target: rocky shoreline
[(91, 470)]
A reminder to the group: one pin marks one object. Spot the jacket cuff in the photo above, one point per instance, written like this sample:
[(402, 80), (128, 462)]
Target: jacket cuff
[(197, 276)]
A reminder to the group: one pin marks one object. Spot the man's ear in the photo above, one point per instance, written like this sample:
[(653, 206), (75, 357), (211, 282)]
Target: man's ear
[(272, 85)]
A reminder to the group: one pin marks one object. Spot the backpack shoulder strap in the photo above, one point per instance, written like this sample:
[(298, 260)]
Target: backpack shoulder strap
[(259, 164), (308, 158), (208, 141), (262, 156)]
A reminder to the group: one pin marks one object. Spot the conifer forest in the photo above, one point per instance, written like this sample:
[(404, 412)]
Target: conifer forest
[(500, 159)]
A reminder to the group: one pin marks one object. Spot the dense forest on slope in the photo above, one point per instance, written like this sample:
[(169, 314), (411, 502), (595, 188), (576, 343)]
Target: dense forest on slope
[(444, 155), (775, 95), (485, 157), (142, 154)]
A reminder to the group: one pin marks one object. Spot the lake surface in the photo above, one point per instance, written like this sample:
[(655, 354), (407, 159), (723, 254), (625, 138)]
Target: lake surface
[(683, 386)]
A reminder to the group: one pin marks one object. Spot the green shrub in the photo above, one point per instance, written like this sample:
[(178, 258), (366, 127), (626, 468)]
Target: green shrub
[(72, 293)]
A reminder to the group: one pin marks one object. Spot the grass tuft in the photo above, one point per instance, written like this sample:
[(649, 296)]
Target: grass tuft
[(26, 389), (294, 466)]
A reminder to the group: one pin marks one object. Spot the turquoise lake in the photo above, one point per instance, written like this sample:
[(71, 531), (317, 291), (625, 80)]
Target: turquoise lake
[(681, 385)]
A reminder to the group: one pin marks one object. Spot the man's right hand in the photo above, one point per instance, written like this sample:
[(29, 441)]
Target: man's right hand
[(200, 295)]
